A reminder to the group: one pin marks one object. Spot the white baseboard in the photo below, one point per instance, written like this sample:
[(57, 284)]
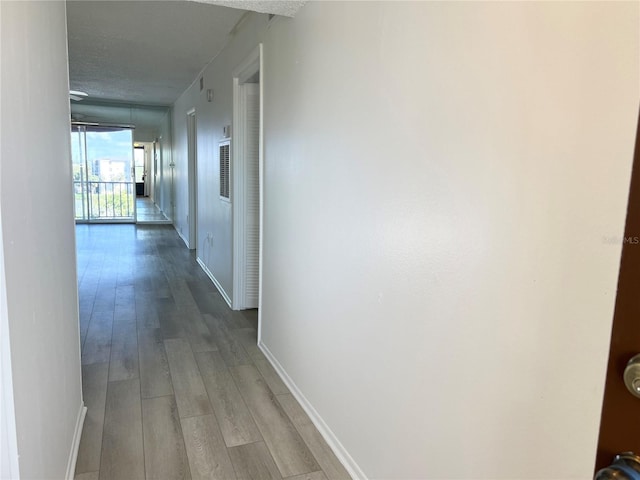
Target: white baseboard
[(181, 236), (347, 461), (75, 445), (215, 282)]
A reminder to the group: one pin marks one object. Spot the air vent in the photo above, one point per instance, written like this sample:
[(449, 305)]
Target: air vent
[(225, 173)]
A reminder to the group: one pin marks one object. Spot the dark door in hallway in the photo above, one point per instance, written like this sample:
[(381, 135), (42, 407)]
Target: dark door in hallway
[(139, 170), (620, 422)]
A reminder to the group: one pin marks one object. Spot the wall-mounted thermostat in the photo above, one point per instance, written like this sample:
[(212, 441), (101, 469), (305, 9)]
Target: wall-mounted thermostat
[(226, 131)]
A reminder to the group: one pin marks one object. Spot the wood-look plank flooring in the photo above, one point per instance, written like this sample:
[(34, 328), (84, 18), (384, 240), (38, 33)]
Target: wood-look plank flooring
[(148, 212), (174, 383)]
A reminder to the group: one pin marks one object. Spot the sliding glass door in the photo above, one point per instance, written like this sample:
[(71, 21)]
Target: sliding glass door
[(103, 185)]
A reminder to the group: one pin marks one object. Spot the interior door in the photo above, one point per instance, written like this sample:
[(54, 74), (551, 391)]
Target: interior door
[(139, 170), (620, 421), (251, 100)]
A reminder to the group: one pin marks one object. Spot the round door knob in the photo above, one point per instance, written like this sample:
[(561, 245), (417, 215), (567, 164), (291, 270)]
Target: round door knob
[(632, 376), (625, 466)]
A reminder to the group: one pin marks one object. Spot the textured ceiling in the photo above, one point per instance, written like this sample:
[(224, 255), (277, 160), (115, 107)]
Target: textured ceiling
[(147, 52), (143, 51), (286, 8)]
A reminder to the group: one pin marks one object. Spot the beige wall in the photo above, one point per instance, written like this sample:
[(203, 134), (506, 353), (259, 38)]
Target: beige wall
[(439, 178), (38, 236), (166, 174), (438, 181)]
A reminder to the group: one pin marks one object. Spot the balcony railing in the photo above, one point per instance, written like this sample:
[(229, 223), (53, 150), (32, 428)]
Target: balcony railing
[(104, 200)]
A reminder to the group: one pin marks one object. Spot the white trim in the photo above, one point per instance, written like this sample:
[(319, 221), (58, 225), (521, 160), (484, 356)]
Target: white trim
[(184, 239), (334, 444), (154, 222), (161, 172), (215, 281), (249, 65), (261, 183), (77, 435), (252, 64)]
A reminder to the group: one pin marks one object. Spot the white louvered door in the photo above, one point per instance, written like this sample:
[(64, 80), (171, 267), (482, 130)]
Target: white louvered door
[(225, 178), (251, 93)]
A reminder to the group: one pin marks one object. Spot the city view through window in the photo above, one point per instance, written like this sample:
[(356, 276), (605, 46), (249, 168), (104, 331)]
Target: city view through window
[(102, 173)]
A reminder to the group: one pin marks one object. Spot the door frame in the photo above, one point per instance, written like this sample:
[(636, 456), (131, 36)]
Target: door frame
[(248, 68), (160, 200), (147, 168), (192, 177), (154, 167)]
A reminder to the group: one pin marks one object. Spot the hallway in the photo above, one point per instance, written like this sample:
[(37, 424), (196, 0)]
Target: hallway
[(173, 380), (148, 212)]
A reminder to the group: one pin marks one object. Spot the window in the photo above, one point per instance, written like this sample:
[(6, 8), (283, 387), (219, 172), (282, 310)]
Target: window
[(224, 170)]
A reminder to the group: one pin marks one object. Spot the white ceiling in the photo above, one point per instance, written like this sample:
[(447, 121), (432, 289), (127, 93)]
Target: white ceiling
[(147, 52), (143, 51), (286, 8)]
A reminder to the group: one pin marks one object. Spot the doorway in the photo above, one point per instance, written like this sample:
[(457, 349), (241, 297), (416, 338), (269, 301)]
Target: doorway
[(147, 209), (247, 165), (192, 162)]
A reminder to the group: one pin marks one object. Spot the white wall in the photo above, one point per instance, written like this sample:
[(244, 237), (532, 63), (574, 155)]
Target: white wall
[(38, 235), (438, 180), (180, 157), (166, 174), (439, 177), (214, 214), (144, 135)]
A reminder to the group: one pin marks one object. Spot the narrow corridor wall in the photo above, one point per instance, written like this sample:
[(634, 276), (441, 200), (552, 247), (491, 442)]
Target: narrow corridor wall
[(38, 237)]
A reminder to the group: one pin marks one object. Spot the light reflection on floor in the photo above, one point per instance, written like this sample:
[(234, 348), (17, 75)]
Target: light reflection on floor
[(148, 212)]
